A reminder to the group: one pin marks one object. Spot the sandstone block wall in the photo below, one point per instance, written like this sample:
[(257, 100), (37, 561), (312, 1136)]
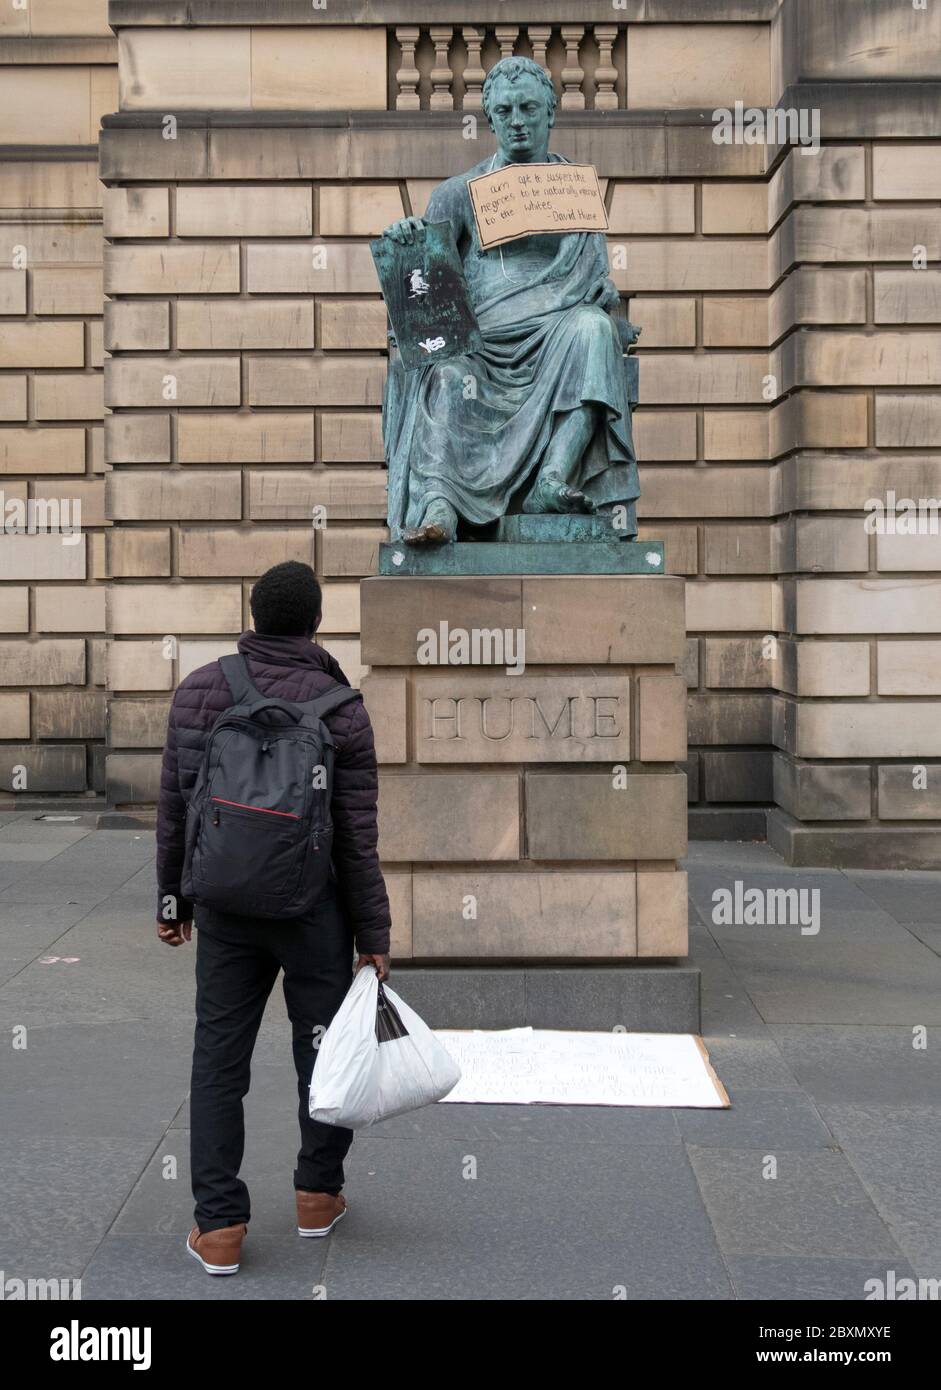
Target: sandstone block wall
[(58, 76), (789, 359)]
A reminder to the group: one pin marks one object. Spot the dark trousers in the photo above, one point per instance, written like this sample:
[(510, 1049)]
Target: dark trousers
[(237, 963)]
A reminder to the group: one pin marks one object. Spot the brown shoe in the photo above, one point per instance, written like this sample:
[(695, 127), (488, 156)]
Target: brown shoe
[(217, 1251), (318, 1212)]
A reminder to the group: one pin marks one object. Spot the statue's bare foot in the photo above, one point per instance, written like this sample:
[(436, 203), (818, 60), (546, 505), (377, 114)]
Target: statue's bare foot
[(438, 526), (435, 534), (569, 499), (550, 494)]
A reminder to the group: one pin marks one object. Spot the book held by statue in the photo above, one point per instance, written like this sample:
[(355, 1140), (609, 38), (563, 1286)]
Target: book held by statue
[(426, 296)]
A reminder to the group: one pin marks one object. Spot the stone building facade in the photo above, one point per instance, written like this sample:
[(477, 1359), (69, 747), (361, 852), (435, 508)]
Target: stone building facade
[(226, 375)]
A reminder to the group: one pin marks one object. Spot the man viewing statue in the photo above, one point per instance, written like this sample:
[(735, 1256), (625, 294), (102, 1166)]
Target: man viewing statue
[(538, 420)]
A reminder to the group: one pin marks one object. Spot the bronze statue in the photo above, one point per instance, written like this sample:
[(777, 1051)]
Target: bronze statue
[(538, 421)]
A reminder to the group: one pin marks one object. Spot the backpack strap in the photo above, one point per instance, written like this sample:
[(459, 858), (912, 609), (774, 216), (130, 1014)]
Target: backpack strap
[(331, 700), (235, 670)]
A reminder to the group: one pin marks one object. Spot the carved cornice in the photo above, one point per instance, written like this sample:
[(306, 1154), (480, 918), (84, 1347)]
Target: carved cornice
[(192, 13)]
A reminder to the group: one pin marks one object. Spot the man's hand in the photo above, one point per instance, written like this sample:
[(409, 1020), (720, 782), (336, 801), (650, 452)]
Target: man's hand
[(406, 230), (175, 933), (382, 963)]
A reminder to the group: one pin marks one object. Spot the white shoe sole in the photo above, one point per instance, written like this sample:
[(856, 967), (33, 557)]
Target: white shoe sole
[(211, 1269), (316, 1231)]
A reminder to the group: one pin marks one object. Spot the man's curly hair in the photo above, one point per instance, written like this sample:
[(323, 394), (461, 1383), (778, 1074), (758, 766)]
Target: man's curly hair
[(286, 601), (511, 70)]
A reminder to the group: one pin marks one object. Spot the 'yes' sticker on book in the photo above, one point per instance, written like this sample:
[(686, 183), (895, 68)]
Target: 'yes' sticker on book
[(426, 296)]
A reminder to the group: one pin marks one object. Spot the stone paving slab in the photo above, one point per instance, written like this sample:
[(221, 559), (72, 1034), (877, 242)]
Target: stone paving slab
[(25, 830), (114, 1080), (21, 857), (728, 854), (488, 1237), (815, 1206), (86, 871), (770, 1119), (158, 1267), (861, 1064), (727, 1007), (100, 986), (846, 912), (789, 982), (552, 1227), (812, 1036), (791, 1277), (15, 919), (632, 1126), (26, 934), (895, 1151), (754, 1063), (162, 1205), (908, 897), (61, 1194)]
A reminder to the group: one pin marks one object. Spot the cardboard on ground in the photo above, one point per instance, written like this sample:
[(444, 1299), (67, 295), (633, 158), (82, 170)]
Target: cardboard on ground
[(523, 199), (534, 1066)]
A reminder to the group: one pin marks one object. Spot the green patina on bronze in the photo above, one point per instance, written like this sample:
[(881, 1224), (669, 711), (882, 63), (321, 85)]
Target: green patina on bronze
[(537, 420), (523, 557)]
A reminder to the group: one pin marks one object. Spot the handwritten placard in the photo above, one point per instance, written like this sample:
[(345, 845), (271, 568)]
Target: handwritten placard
[(523, 199), (532, 1066)]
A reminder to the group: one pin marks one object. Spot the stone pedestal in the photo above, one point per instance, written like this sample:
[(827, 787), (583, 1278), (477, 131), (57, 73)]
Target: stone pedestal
[(530, 820)]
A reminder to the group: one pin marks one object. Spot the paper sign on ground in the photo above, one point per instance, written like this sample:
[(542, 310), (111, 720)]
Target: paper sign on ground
[(527, 1066), (523, 199)]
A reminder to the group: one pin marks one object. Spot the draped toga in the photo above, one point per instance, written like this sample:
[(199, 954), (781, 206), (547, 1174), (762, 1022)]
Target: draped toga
[(473, 430)]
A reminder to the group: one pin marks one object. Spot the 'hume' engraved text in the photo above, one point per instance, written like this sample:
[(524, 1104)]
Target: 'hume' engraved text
[(498, 717)]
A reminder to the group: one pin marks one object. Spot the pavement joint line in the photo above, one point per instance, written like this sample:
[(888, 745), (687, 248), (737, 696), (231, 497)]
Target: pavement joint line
[(708, 1214), (133, 1188), (897, 1238)]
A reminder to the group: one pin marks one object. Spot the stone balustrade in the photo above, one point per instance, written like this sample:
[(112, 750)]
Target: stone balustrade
[(442, 67)]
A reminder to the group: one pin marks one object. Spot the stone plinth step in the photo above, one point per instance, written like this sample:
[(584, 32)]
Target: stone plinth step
[(644, 998), (523, 557)]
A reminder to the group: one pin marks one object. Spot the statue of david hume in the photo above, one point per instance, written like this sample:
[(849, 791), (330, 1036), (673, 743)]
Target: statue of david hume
[(539, 420)]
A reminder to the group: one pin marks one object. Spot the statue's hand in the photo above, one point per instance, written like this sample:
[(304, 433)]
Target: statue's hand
[(406, 230)]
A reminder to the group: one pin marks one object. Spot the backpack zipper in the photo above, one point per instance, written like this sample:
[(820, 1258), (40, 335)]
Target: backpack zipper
[(262, 810)]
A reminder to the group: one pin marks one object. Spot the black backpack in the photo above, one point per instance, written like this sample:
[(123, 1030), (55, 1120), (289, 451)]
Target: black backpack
[(258, 829)]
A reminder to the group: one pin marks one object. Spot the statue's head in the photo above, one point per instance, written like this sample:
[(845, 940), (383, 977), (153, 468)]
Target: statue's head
[(519, 103)]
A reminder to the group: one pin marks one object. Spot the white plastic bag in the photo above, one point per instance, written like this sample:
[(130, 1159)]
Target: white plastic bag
[(377, 1059)]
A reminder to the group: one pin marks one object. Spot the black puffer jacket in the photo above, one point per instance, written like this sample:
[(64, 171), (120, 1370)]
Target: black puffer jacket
[(288, 668)]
